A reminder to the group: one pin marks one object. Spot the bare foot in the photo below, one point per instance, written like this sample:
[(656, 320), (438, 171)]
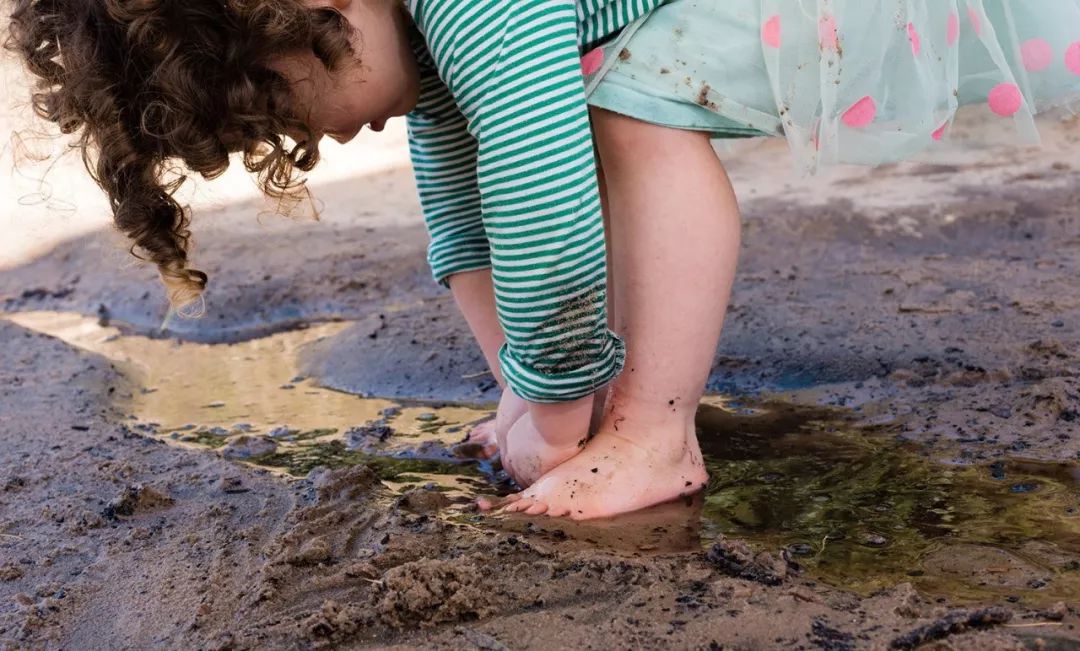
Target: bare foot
[(614, 474), (529, 455)]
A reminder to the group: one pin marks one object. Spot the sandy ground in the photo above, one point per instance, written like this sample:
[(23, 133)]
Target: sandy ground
[(932, 302)]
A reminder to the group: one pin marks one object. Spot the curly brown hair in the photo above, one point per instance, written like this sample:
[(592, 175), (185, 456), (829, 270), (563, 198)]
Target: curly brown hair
[(148, 82)]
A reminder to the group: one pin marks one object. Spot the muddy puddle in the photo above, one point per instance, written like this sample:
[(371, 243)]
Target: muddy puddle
[(854, 506), (247, 401)]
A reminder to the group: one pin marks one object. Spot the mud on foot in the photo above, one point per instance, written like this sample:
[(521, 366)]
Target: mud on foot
[(612, 475)]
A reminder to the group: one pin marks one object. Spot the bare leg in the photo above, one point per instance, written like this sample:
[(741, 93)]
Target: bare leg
[(532, 439), (474, 294), (674, 245), (550, 435)]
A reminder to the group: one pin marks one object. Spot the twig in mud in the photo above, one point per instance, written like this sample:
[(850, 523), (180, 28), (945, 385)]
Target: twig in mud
[(822, 550), (378, 583), (473, 376), (1032, 624), (954, 622)]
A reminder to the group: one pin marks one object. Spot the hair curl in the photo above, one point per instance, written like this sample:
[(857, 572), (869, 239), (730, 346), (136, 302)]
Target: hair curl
[(153, 81)]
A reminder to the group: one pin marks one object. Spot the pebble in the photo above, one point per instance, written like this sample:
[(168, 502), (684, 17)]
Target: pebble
[(232, 485), (801, 549), (245, 447), (875, 540), (427, 417), (1024, 487)]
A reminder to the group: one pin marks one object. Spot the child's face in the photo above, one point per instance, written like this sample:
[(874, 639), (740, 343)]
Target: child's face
[(382, 83)]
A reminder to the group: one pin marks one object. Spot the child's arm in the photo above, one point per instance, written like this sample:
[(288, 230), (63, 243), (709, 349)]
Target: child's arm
[(514, 69)]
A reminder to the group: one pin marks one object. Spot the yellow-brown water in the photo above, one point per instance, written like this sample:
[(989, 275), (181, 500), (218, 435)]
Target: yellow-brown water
[(854, 506), (211, 395)]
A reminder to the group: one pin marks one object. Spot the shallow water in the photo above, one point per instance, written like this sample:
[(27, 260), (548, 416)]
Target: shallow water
[(865, 510), (247, 400), (856, 507)]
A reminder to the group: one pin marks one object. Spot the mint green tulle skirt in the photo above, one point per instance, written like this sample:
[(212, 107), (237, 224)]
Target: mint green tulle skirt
[(844, 81)]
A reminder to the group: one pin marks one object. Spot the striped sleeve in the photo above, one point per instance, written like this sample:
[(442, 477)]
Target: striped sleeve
[(443, 154), (513, 67)]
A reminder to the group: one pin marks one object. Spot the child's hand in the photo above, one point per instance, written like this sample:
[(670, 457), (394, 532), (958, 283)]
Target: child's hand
[(544, 437), (511, 409), (528, 455)]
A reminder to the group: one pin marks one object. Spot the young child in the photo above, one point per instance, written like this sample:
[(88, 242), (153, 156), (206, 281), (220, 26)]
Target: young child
[(505, 147)]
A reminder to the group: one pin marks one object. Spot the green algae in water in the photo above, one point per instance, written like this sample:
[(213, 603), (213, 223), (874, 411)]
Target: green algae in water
[(300, 460), (204, 438), (864, 511)]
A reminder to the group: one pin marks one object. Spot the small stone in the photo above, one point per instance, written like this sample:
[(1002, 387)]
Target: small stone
[(232, 485), (246, 447), (1055, 613), (1024, 487), (801, 549), (427, 417), (875, 540)]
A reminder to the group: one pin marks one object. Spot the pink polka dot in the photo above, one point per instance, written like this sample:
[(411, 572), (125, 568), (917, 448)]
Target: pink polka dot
[(939, 133), (861, 113), (1037, 54), (827, 34), (976, 22), (913, 36), (592, 61), (770, 32), (952, 32), (1005, 99), (1072, 58)]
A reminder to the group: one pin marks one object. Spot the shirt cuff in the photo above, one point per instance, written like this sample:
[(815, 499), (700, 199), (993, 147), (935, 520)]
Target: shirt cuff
[(564, 379)]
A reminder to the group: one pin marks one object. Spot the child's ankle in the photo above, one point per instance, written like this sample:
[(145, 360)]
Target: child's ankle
[(562, 424), (654, 419)]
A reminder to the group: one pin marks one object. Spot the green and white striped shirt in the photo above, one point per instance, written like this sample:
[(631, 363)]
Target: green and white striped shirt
[(503, 155)]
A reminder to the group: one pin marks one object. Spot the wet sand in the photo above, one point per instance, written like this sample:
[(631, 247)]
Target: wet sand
[(915, 324)]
